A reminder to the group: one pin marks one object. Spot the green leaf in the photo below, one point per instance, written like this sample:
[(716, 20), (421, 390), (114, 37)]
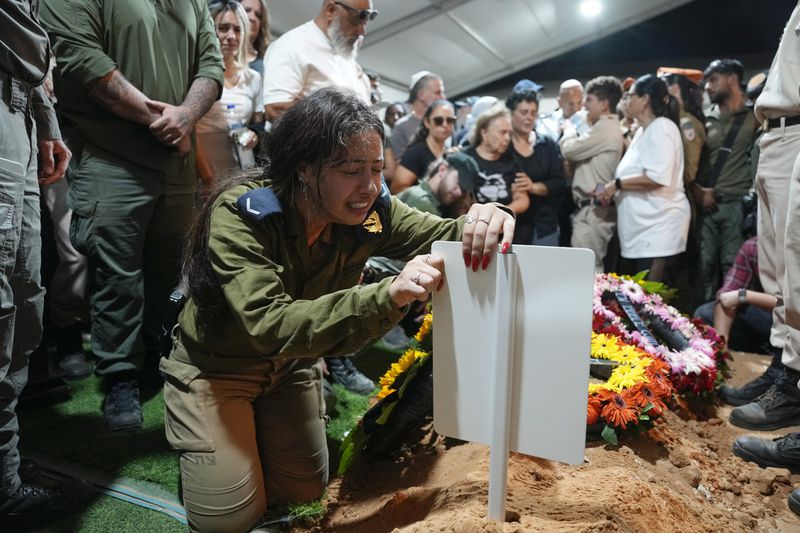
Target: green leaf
[(351, 448), (644, 417), (647, 407), (609, 435)]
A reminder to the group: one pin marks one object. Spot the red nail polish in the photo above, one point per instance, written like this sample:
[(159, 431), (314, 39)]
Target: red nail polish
[(467, 259), (505, 247), (485, 262), (475, 263)]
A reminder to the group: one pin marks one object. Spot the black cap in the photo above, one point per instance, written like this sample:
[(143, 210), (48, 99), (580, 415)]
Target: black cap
[(467, 169), (725, 66)]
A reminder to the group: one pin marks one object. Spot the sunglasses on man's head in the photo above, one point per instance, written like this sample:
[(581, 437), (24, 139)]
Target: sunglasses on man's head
[(439, 121), (362, 14)]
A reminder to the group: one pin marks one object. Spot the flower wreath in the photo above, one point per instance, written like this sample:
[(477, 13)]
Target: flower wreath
[(634, 394), (693, 350)]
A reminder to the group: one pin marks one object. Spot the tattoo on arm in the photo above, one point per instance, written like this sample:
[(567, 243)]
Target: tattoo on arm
[(115, 93), (202, 94)]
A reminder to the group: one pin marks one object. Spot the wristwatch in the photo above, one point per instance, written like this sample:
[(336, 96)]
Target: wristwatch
[(618, 184), (742, 296)]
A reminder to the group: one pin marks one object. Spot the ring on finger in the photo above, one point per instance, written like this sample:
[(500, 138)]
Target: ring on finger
[(484, 221), (416, 278), (428, 259), (469, 219)]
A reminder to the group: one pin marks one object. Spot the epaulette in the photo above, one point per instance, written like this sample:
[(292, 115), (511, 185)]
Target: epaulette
[(378, 219), (258, 204)]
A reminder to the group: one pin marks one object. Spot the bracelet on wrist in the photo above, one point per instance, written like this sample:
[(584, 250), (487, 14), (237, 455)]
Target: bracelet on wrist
[(618, 184)]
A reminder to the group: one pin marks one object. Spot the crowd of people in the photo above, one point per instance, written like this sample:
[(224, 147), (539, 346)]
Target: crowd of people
[(294, 210)]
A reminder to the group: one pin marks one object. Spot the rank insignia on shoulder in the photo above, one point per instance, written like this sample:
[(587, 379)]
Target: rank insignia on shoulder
[(372, 224), (688, 132), (258, 204)]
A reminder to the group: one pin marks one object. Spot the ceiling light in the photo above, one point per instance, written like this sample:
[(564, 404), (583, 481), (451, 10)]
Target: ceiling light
[(591, 8)]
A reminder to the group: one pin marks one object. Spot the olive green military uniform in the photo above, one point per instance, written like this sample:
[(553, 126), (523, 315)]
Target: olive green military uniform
[(243, 394), (693, 133), (26, 116), (132, 196), (421, 197), (721, 231)]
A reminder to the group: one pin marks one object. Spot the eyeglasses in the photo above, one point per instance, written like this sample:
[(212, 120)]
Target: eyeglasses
[(439, 121), (364, 15)]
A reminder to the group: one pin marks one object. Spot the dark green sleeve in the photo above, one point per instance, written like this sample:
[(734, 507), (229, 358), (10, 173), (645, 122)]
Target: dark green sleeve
[(209, 57), (412, 232), (76, 32), (274, 323)]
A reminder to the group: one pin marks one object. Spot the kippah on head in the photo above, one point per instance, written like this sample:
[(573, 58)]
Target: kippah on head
[(570, 84), (417, 76)]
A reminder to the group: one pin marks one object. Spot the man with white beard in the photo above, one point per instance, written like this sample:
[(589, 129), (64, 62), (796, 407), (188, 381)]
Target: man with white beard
[(320, 53)]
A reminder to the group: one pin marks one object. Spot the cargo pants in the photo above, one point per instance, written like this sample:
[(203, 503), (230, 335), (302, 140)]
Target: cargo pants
[(21, 292), (130, 222), (246, 437)]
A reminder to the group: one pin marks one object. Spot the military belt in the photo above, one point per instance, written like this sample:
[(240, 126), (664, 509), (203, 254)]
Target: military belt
[(782, 122)]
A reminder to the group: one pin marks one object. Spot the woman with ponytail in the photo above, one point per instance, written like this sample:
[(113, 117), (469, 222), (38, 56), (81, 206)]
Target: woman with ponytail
[(427, 146), (652, 209)]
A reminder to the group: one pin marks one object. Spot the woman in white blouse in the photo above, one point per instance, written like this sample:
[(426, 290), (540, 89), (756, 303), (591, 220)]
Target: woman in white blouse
[(652, 209), (241, 100)]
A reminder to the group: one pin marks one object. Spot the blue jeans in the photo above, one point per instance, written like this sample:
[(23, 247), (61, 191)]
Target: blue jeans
[(750, 329), (21, 292)]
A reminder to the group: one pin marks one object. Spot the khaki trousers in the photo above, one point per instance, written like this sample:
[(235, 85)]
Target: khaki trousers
[(593, 227), (776, 166), (245, 438), (791, 258)]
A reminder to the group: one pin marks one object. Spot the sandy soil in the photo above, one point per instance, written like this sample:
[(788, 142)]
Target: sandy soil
[(679, 477)]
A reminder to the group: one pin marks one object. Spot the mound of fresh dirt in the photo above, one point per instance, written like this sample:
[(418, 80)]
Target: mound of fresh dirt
[(679, 477)]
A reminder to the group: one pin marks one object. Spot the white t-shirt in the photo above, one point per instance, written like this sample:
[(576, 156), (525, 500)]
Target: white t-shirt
[(303, 60), (653, 223), (212, 128), (245, 96)]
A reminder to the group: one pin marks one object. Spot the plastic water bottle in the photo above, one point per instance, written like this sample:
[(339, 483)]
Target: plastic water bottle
[(244, 156), (230, 117)]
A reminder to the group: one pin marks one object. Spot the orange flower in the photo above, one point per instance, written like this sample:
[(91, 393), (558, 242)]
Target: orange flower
[(659, 383), (593, 410), (618, 413), (659, 366), (641, 394)]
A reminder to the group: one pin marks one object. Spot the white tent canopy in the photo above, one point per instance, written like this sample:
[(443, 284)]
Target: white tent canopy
[(473, 42)]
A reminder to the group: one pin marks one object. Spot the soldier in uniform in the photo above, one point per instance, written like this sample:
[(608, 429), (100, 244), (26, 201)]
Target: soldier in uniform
[(133, 191), (718, 191), (684, 85), (273, 266), (29, 130)]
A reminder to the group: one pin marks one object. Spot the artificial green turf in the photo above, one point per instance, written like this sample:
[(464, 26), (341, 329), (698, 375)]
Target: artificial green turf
[(73, 432)]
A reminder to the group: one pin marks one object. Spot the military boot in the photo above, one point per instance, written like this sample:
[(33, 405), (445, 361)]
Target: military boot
[(781, 452), (778, 407), (752, 390), (344, 372)]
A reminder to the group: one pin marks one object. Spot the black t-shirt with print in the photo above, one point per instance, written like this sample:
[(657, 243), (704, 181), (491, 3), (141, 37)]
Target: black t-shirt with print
[(494, 178)]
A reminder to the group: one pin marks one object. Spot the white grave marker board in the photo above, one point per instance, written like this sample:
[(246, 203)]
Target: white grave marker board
[(551, 349)]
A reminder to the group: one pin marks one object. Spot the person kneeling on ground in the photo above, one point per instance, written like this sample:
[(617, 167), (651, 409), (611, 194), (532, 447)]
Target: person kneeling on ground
[(272, 265)]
